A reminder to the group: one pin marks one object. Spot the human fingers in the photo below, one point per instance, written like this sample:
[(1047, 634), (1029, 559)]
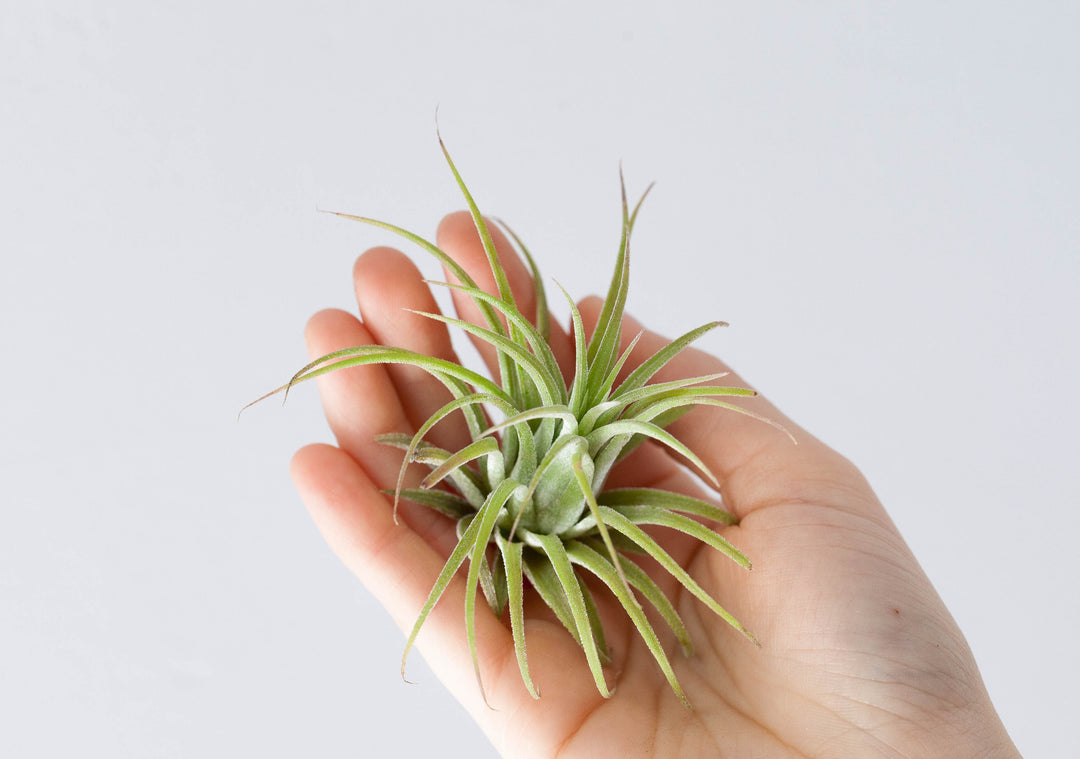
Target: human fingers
[(389, 289), (457, 236), (362, 402), (400, 568)]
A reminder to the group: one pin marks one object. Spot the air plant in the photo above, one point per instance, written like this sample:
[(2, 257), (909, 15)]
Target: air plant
[(532, 483)]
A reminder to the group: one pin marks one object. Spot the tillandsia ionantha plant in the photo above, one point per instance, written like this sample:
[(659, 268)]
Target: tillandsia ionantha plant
[(527, 492)]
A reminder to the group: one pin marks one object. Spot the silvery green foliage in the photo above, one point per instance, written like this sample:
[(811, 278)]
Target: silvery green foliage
[(532, 485)]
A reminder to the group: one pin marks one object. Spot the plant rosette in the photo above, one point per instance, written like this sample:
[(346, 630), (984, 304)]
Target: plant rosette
[(527, 492)]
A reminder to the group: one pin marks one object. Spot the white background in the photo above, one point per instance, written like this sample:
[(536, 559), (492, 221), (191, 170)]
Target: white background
[(881, 198)]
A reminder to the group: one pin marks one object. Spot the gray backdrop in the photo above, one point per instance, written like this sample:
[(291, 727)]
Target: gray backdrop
[(881, 199)]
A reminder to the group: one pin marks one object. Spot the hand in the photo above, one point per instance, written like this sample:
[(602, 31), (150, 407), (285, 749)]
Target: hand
[(859, 656)]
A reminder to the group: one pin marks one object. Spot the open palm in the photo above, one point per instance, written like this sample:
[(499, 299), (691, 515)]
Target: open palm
[(859, 656)]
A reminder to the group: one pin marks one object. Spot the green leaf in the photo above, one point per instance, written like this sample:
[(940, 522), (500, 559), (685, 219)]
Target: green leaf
[(590, 498), (644, 372), (481, 229), (456, 269), (461, 403), (543, 578), (487, 585), (363, 355), (542, 317), (498, 578), (611, 452), (486, 519), (450, 568), (556, 553), (595, 624), (465, 480), (661, 390), (667, 500), (542, 412), (483, 447), (511, 553), (643, 583), (439, 500), (401, 440), (584, 556), (618, 522), (591, 419), (641, 200), (598, 393), (598, 437), (605, 413), (550, 388), (451, 265), (665, 518), (538, 343), (605, 340), (738, 410), (663, 403), (553, 502), (579, 395)]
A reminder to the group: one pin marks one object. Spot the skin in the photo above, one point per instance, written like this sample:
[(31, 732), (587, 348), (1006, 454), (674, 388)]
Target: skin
[(859, 655)]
